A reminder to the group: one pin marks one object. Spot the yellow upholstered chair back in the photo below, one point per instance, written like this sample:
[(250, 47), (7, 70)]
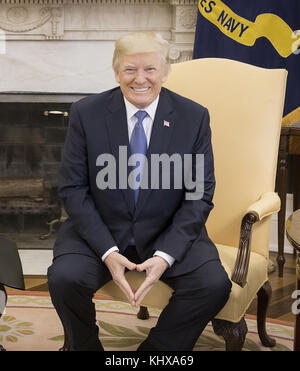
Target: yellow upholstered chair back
[(245, 105)]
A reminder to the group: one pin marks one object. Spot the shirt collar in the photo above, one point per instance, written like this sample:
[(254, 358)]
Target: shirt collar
[(131, 110)]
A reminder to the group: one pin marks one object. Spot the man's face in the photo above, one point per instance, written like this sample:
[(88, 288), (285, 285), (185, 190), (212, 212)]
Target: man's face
[(140, 77)]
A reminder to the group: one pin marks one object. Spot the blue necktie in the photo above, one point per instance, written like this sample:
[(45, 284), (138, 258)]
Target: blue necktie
[(138, 144)]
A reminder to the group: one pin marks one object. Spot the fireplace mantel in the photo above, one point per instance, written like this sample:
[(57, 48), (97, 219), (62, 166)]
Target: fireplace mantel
[(97, 19), (84, 2)]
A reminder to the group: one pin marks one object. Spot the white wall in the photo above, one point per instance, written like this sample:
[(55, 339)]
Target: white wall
[(57, 66), (288, 248)]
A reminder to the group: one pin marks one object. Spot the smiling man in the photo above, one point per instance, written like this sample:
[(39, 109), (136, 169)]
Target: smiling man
[(121, 228)]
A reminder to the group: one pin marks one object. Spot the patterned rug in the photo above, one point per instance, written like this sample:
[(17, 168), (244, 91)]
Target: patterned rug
[(30, 323)]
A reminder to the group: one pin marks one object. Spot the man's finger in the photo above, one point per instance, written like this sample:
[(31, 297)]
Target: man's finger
[(127, 263), (142, 267), (145, 287), (139, 299), (131, 266), (126, 288)]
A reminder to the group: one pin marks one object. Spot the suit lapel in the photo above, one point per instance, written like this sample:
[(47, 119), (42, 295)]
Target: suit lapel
[(117, 128), (160, 138)]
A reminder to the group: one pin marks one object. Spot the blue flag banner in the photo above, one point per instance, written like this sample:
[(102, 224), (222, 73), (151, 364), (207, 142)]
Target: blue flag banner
[(265, 33)]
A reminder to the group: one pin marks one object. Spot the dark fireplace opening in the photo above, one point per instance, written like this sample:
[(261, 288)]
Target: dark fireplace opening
[(33, 128)]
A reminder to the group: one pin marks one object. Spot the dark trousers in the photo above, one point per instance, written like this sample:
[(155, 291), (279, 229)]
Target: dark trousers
[(198, 297)]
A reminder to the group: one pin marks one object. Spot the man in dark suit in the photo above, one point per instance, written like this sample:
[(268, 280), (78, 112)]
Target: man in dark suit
[(146, 224)]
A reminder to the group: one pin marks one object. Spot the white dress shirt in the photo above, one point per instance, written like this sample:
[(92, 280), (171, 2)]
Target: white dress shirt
[(147, 124)]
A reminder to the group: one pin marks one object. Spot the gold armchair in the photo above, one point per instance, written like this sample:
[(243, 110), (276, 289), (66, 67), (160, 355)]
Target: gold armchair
[(245, 104)]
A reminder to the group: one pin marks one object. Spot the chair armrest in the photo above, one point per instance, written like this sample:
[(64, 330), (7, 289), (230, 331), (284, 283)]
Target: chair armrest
[(268, 204)]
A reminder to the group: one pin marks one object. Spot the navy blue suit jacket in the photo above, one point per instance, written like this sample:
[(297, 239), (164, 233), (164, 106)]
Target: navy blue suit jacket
[(163, 219)]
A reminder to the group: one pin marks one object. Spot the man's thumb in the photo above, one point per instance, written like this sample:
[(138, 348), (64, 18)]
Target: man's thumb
[(141, 267), (131, 266)]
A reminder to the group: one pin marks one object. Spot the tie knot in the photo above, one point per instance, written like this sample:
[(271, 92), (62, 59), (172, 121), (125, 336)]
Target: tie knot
[(141, 115)]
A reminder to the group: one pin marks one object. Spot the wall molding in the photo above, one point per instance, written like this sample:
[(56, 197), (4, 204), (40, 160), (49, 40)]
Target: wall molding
[(100, 20), (95, 2)]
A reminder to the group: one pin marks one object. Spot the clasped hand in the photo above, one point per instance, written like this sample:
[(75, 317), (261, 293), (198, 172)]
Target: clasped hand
[(154, 267)]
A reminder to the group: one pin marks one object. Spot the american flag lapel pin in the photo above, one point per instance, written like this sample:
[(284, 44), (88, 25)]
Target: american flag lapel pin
[(166, 123)]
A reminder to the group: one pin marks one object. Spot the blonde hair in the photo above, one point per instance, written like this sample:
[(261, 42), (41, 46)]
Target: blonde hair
[(141, 42)]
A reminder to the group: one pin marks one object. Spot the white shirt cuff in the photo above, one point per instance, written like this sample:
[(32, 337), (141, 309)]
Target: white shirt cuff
[(170, 260), (112, 249)]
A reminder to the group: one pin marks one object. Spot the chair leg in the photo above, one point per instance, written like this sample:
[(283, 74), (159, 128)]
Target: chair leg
[(263, 299), (296, 185), (234, 334), (296, 182), (143, 313)]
